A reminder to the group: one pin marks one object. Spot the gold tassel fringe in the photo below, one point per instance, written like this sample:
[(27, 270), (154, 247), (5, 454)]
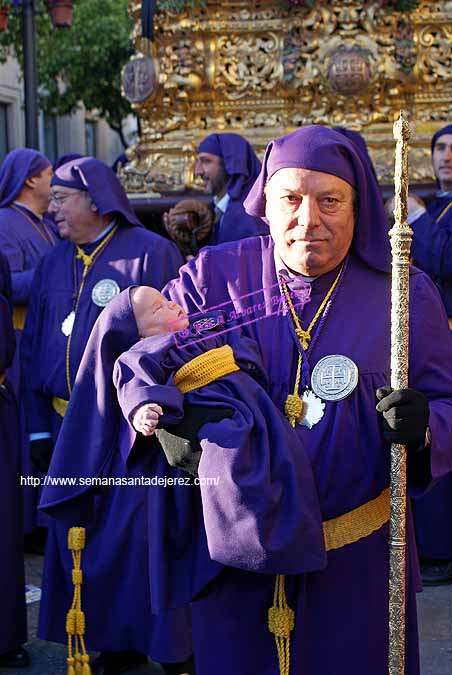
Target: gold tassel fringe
[(281, 622), (78, 659)]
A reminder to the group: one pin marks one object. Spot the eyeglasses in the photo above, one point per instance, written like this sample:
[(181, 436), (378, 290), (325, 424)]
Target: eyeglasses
[(58, 200)]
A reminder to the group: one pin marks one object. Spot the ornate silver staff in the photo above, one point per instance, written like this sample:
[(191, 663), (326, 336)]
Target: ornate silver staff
[(400, 235)]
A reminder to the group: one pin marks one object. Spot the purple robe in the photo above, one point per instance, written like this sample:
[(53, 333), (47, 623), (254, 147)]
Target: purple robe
[(261, 466), (432, 251), (115, 518), (342, 612), (24, 245), (132, 256), (13, 624)]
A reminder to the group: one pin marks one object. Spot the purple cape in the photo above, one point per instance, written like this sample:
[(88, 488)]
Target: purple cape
[(262, 468), (17, 166), (103, 186), (240, 161), (13, 625), (341, 612), (115, 556), (319, 148)]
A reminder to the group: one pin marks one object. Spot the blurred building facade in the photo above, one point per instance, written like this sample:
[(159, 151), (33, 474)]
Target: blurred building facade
[(80, 132)]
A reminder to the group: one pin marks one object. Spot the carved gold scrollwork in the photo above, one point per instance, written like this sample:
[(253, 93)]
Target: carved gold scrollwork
[(250, 67)]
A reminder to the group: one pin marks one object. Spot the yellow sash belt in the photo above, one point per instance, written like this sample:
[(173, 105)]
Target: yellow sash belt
[(60, 405), (205, 369), (19, 314), (358, 523)]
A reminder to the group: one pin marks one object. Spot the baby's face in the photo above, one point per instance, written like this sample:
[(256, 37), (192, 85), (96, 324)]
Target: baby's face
[(154, 314)]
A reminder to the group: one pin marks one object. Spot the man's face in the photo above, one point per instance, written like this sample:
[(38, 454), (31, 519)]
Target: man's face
[(154, 314), (442, 161), (40, 184), (311, 219), (211, 169), (74, 213)]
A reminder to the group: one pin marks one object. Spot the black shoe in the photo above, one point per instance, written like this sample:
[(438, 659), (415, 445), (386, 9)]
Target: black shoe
[(115, 663), (436, 573), (15, 658)]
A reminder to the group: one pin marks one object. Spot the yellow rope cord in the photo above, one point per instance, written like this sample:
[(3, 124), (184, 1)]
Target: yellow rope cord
[(88, 261), (444, 211), (78, 659), (293, 407), (281, 622)]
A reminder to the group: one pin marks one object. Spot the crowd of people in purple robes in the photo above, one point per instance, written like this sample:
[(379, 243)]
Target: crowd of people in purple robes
[(287, 296)]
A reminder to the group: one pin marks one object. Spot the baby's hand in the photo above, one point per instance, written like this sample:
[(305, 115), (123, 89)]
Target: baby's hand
[(146, 418)]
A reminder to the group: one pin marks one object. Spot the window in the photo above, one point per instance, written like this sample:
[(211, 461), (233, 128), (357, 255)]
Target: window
[(50, 137), (91, 138), (4, 144)]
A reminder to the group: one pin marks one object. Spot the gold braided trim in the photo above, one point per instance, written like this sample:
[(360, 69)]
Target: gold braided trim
[(60, 405), (205, 369), (19, 314), (2, 378), (358, 523)]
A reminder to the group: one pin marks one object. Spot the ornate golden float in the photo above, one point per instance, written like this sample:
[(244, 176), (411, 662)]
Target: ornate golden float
[(251, 67)]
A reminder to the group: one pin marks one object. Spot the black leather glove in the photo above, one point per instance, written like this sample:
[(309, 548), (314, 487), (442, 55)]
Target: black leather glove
[(41, 451), (180, 442), (405, 416)]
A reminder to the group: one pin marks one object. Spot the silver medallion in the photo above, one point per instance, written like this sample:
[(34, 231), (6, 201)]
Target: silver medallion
[(104, 291), (313, 409), (334, 377), (68, 324)]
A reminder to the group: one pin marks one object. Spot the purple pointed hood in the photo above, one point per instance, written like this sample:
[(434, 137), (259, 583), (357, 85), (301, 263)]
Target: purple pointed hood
[(98, 179), (240, 161), (17, 166), (320, 148)]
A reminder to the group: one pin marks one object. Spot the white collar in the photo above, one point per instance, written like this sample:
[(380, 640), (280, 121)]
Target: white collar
[(222, 203), (282, 269)]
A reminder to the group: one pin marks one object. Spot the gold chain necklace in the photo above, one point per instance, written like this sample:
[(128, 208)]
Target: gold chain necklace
[(293, 407)]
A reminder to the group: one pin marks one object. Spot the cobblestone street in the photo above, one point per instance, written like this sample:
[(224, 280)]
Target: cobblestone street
[(435, 624)]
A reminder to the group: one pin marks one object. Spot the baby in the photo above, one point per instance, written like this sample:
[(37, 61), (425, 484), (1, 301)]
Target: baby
[(154, 315)]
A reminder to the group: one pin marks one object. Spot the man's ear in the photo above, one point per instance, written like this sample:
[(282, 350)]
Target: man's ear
[(31, 182)]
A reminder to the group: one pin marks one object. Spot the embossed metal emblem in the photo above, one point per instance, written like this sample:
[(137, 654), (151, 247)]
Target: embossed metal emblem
[(104, 291), (334, 377)]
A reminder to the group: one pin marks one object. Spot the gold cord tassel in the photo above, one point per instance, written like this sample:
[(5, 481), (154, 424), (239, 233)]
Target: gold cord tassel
[(78, 659), (293, 408), (281, 622)]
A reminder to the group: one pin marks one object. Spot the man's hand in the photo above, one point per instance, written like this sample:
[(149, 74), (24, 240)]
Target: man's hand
[(41, 451), (146, 418), (405, 416)]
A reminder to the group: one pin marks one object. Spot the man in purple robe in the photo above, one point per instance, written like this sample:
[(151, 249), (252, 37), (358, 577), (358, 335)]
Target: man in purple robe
[(13, 624), (105, 250), (432, 252), (228, 166), (26, 235), (328, 367)]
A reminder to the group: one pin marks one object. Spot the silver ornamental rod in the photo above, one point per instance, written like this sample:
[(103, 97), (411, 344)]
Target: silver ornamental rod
[(400, 236)]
